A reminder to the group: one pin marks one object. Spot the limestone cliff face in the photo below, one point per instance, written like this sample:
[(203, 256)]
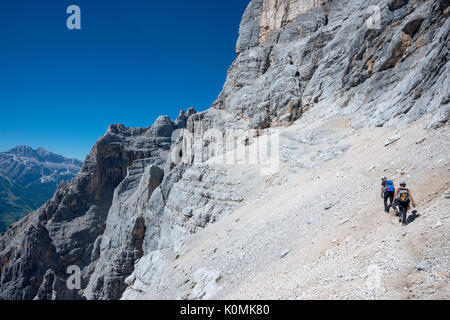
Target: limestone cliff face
[(337, 55), (276, 14), (67, 230), (131, 206)]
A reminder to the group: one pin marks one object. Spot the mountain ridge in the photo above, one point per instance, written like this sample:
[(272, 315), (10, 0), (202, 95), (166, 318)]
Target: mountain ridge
[(29, 178), (40, 153)]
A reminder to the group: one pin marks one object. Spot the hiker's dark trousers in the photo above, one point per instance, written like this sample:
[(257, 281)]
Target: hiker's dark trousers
[(403, 211), (388, 195)]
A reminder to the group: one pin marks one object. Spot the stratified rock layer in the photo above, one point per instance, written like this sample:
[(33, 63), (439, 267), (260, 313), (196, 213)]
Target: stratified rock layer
[(29, 178)]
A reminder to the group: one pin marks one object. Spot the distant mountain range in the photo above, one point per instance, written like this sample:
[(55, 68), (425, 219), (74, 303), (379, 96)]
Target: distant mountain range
[(28, 178)]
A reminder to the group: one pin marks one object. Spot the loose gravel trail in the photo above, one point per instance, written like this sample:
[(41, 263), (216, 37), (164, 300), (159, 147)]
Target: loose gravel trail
[(317, 228)]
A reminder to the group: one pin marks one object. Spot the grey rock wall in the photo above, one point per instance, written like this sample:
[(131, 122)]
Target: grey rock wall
[(297, 55)]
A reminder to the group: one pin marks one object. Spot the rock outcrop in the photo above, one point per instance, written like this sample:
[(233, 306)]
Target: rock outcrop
[(127, 216)]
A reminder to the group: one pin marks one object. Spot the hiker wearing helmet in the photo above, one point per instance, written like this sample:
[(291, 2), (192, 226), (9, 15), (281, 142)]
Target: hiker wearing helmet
[(403, 197), (387, 193)]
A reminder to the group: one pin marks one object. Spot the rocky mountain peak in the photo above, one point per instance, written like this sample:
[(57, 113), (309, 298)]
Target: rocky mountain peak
[(276, 14), (22, 150), (28, 178), (295, 55), (40, 154)]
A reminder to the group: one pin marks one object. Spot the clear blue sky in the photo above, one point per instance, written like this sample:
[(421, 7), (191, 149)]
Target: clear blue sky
[(132, 61)]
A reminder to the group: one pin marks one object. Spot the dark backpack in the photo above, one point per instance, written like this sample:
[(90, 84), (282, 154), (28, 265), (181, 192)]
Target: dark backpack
[(389, 186), (403, 196)]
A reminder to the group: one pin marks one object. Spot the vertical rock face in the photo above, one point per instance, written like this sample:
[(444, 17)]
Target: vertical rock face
[(121, 243), (276, 14), (131, 201), (28, 178), (338, 56)]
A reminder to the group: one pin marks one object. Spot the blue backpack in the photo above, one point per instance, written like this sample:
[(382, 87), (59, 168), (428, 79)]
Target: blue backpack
[(389, 186)]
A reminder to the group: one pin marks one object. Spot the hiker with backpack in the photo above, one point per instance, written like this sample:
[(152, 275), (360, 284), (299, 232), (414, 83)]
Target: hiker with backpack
[(403, 198), (387, 193)]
